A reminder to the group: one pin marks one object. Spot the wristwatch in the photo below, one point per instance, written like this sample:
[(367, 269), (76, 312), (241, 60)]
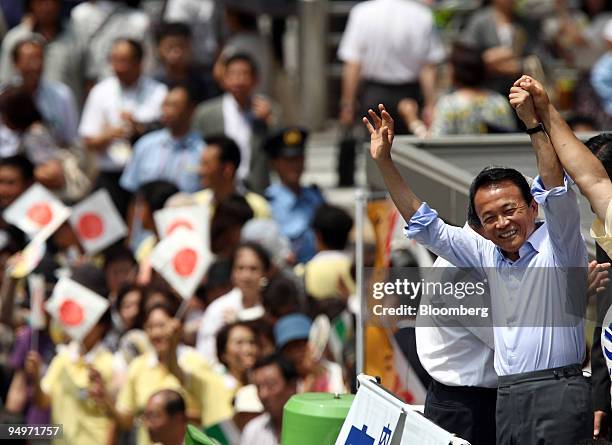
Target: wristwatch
[(536, 129)]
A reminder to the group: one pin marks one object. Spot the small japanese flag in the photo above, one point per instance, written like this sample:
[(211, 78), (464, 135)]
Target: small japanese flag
[(181, 260), (37, 212), (194, 218), (96, 222), (75, 307)]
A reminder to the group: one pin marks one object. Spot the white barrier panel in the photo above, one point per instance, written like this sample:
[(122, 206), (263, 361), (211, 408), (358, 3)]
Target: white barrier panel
[(377, 417)]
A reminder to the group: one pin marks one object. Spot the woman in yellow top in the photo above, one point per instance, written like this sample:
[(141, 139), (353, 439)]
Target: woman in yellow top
[(170, 366), (68, 383)]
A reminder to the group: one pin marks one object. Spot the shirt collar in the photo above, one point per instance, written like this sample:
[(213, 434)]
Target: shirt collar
[(534, 242), (74, 350)]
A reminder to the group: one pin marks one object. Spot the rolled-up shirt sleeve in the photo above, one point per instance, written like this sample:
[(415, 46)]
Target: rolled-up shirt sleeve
[(452, 243), (562, 216)]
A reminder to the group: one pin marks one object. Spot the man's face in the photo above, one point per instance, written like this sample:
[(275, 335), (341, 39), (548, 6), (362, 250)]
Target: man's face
[(211, 168), (12, 184), (30, 63), (507, 220), (272, 389), (126, 65), (174, 51), (239, 79), (176, 108), (289, 169), (156, 419)]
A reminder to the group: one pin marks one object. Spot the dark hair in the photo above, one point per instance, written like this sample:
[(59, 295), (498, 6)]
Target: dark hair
[(137, 47), (117, 252), (492, 175), (258, 250), (246, 19), (21, 163), (223, 337), (91, 277), (156, 193), (242, 57), (126, 289), (218, 274), (33, 40), (601, 147), (581, 119), (468, 65), (280, 297), (229, 152), (333, 225), (174, 401), (231, 212), (165, 307), (190, 90), (18, 109), (172, 29), (286, 368)]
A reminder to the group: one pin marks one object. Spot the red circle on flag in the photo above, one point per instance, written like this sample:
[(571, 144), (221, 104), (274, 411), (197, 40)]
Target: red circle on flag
[(71, 313), (184, 262), (90, 226), (40, 213), (178, 223)]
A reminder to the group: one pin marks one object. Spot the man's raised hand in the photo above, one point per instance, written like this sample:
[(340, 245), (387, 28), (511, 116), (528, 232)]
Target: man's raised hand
[(381, 133), (522, 103), (536, 90)]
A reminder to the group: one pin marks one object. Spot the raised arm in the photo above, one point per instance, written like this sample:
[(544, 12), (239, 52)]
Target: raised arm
[(549, 167), (584, 168), (381, 140)]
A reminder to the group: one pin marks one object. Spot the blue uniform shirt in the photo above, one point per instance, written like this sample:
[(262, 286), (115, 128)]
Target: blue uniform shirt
[(294, 215)]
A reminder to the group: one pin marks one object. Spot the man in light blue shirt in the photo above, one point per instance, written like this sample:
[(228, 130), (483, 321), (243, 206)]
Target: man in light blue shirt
[(539, 343), (171, 154)]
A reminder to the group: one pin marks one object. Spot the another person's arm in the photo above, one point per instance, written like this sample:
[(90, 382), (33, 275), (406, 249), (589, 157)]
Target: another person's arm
[(33, 364), (585, 169)]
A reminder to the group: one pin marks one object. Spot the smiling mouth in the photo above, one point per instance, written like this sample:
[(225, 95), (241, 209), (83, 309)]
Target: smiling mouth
[(508, 234)]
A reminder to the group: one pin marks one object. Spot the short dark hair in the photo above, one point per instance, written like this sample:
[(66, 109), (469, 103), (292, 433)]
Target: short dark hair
[(18, 109), (232, 211), (333, 225), (601, 147), (190, 89), (581, 119), (257, 249), (172, 29), (137, 47), (223, 337), (468, 65), (21, 163), (229, 152), (174, 401), (117, 252), (156, 193), (243, 57), (492, 175), (33, 40), (286, 368), (280, 297)]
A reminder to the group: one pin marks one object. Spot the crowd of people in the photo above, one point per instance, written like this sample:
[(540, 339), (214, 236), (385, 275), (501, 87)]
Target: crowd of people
[(152, 108)]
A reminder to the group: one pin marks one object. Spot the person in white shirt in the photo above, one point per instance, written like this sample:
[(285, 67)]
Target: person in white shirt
[(118, 110), (462, 395), (387, 72), (275, 379), (250, 265)]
